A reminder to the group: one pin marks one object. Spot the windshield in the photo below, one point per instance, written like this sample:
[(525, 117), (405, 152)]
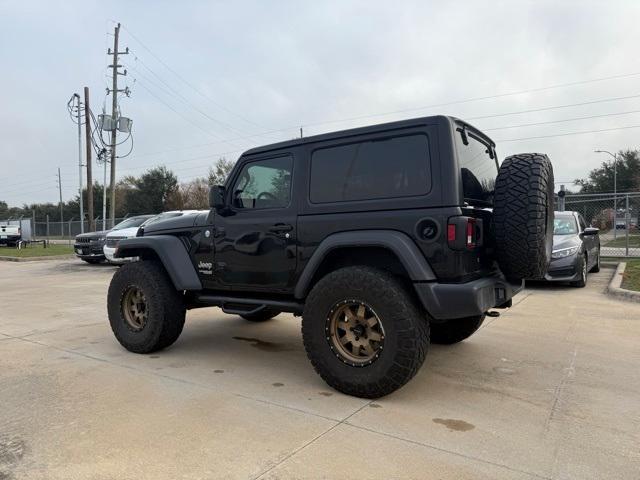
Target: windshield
[(162, 216), (130, 222), (565, 226), (479, 170)]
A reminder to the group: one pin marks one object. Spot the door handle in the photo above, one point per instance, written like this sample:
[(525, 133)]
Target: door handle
[(281, 228)]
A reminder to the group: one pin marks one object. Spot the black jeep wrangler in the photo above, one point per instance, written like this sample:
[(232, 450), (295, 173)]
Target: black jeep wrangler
[(383, 238)]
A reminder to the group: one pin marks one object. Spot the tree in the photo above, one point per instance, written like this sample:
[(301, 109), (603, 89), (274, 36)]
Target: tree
[(220, 171), (193, 195), (150, 192), (601, 179)]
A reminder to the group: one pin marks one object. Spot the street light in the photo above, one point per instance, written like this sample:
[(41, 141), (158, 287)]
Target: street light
[(615, 189)]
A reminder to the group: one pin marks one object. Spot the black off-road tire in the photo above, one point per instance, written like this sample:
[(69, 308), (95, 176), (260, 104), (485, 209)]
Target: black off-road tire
[(582, 268), (406, 331), (523, 215), (166, 308), (261, 316), (455, 330)]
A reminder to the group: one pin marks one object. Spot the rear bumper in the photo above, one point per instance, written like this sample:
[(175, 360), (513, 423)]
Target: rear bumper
[(446, 301)]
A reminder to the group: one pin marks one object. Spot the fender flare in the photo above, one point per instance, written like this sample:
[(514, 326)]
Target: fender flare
[(171, 252), (397, 242)]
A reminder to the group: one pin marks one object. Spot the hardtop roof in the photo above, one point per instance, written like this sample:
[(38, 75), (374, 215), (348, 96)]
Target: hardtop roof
[(433, 119)]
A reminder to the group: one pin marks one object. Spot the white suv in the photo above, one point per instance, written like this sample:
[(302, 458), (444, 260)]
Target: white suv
[(114, 236)]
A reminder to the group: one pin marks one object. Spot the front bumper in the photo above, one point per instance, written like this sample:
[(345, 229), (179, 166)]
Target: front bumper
[(109, 253), (563, 270), (89, 250), (446, 301)]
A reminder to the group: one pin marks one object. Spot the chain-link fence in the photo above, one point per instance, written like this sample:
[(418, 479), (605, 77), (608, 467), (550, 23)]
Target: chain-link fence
[(69, 229), (615, 215)]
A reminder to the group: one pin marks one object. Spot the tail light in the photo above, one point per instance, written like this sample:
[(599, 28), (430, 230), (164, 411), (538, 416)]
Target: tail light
[(464, 233), (471, 233)]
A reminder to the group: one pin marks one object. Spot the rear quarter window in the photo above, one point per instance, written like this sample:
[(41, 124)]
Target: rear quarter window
[(388, 167), (477, 167)]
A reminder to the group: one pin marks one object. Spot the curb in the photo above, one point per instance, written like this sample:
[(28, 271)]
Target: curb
[(615, 290), (36, 259)]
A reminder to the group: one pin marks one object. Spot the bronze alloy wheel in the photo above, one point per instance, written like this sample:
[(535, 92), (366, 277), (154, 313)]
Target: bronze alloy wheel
[(355, 333), (135, 309)]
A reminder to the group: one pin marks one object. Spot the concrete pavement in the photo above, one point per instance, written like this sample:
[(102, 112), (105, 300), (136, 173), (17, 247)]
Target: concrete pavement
[(550, 389)]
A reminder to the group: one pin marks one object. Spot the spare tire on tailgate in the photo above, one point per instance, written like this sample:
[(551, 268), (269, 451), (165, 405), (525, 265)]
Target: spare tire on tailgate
[(523, 215)]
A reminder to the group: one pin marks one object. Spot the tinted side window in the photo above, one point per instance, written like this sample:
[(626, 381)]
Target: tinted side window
[(264, 184), (478, 169), (384, 168)]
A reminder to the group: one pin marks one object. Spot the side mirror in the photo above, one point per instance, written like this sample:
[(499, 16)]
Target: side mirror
[(216, 197), (590, 231)]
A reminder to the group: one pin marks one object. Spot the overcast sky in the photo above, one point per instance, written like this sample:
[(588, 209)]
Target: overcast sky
[(255, 67)]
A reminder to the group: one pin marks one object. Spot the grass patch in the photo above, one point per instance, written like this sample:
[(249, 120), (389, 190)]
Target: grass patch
[(36, 250), (621, 241), (631, 277)]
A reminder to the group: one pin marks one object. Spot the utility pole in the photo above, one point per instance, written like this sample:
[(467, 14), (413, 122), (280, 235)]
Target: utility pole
[(87, 132), (60, 190), (114, 116), (102, 158), (79, 121)]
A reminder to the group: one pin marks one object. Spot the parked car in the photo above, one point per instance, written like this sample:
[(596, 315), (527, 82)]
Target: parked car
[(576, 250), (89, 246), (128, 231), (384, 238), (10, 235)]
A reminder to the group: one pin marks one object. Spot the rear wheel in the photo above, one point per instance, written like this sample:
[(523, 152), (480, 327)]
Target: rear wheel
[(146, 312), (455, 330), (261, 316), (363, 332), (523, 215)]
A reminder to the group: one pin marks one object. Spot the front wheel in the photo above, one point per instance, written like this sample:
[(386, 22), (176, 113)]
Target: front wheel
[(363, 332), (146, 312), (455, 330), (582, 269)]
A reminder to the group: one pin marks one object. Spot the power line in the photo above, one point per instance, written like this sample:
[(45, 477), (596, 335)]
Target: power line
[(176, 93), (181, 115), (561, 121), (186, 82), (443, 104), (475, 99), (568, 134), (554, 107)]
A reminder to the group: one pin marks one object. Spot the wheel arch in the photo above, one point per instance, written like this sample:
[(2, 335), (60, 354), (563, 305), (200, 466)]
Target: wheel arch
[(388, 249), (170, 251)]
